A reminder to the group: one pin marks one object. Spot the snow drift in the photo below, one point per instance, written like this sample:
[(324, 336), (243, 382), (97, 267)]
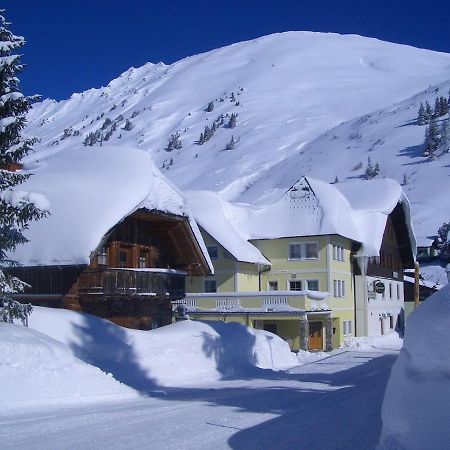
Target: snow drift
[(416, 407), (184, 353), (35, 368)]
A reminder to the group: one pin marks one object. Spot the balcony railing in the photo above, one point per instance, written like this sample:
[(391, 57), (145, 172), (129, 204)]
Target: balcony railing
[(133, 282), (266, 301)]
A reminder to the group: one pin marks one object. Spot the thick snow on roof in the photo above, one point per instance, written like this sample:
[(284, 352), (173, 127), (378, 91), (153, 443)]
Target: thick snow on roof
[(311, 207), (89, 190), (215, 215), (372, 202)]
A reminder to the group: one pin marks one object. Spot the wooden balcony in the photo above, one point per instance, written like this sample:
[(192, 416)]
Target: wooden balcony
[(145, 283)]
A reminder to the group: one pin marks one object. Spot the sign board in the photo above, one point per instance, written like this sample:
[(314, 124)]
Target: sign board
[(378, 287)]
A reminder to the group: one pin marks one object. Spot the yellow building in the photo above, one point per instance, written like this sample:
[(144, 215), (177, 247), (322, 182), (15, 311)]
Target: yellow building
[(291, 267)]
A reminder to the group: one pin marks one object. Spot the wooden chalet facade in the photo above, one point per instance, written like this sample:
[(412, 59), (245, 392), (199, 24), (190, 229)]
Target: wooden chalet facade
[(138, 268)]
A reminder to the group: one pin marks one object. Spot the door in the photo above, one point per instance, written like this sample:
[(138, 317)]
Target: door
[(315, 336)]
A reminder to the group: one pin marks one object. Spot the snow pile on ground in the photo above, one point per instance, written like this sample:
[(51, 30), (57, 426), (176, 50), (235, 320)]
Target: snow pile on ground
[(390, 341), (186, 352), (35, 368), (416, 406)]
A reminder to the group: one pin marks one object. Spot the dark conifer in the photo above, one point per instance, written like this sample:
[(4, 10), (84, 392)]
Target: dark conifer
[(15, 212)]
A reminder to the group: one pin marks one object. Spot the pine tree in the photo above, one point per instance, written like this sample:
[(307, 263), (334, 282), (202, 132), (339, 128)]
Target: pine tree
[(233, 120), (444, 135), (210, 106), (15, 213), (437, 108), (428, 112), (174, 142), (421, 119), (431, 139), (230, 145), (442, 241)]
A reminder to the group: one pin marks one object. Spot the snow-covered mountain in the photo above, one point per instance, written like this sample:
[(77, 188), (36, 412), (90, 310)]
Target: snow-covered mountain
[(303, 103)]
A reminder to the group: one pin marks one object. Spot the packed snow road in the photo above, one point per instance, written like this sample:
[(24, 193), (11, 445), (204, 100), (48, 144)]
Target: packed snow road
[(333, 403)]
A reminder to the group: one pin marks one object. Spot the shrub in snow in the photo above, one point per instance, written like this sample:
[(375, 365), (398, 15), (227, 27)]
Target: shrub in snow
[(128, 125), (416, 406), (231, 144), (210, 107), (15, 210)]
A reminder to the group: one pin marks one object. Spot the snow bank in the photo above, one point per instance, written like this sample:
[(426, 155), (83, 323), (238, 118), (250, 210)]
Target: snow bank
[(416, 407), (34, 368), (186, 352), (390, 341)]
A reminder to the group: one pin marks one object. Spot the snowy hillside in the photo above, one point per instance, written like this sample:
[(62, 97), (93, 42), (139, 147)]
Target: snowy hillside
[(275, 103)]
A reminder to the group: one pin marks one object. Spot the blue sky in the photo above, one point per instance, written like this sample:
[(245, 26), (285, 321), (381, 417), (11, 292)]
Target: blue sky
[(73, 45)]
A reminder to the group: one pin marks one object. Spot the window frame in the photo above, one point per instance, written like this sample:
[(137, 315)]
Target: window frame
[(216, 247), (295, 281), (314, 280), (208, 281), (303, 247)]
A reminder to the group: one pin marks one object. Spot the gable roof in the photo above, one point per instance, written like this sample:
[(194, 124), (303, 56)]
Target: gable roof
[(88, 191), (357, 211)]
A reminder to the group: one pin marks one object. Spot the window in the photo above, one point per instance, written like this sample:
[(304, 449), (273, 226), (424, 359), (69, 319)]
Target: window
[(347, 327), (142, 259), (398, 292), (390, 291), (312, 285), (339, 288), (213, 252), (123, 258), (273, 285), (295, 285), (338, 252), (210, 286), (102, 258), (307, 250), (295, 251), (312, 250)]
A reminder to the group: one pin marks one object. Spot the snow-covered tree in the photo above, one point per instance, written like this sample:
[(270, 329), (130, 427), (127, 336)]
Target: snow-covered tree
[(431, 139), (421, 116), (231, 144), (371, 170), (442, 241), (174, 142), (233, 120), (16, 211)]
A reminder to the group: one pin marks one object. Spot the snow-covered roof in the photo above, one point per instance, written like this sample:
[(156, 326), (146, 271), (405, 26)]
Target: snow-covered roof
[(88, 191), (311, 207)]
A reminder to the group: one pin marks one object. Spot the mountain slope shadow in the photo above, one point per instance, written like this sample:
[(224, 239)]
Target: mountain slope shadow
[(106, 346)]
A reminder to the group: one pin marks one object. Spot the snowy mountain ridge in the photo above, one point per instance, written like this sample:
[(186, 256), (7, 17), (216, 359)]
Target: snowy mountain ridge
[(250, 119)]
